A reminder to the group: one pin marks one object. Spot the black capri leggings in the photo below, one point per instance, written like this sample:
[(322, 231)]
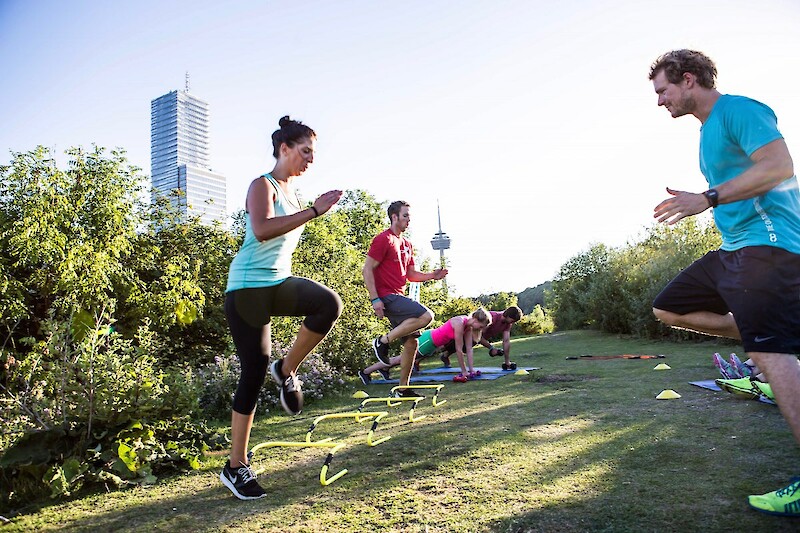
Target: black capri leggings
[(249, 311)]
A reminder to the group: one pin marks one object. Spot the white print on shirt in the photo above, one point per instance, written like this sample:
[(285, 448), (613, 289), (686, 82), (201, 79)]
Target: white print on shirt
[(767, 221), (405, 253)]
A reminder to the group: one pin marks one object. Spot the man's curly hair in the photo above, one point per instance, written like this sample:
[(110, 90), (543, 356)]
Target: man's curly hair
[(676, 63)]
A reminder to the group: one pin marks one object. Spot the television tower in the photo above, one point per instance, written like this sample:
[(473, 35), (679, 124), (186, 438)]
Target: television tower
[(441, 242)]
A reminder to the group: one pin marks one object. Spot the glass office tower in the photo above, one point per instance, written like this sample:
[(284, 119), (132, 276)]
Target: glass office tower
[(179, 157)]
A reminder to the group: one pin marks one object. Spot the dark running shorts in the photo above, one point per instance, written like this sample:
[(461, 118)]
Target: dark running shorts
[(760, 285), (398, 308)]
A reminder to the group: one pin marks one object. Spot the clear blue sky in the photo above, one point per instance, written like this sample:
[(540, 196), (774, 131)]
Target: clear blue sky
[(532, 122)]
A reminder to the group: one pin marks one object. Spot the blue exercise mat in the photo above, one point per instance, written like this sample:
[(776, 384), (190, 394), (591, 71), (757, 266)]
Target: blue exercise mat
[(710, 385), (434, 378), (483, 369), (445, 374)]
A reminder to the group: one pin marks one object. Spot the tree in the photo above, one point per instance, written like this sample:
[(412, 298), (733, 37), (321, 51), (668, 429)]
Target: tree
[(81, 242), (498, 301), (66, 236), (73, 264), (613, 289), (571, 286)]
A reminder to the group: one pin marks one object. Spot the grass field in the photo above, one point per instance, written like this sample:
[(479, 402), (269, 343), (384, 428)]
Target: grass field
[(580, 445)]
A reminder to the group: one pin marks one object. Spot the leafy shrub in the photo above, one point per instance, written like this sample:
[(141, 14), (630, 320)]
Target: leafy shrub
[(613, 289), (82, 240), (534, 323), (569, 302), (220, 378), (91, 406)]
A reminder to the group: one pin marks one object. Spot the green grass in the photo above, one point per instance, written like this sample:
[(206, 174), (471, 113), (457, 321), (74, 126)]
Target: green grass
[(576, 446)]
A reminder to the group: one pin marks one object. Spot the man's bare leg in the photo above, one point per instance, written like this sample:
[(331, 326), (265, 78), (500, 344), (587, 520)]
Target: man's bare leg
[(406, 327), (701, 322), (783, 374), (394, 361), (407, 359)]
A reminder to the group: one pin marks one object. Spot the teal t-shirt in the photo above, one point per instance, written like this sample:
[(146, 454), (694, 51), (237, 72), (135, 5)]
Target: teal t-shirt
[(737, 127), (265, 263)]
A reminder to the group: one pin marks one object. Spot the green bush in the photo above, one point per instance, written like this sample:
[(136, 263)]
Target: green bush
[(534, 323), (220, 378), (613, 289), (570, 297), (91, 406)]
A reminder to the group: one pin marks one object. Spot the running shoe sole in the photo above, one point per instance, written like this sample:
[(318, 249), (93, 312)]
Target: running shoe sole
[(276, 375), (379, 348), (740, 387), (227, 482)]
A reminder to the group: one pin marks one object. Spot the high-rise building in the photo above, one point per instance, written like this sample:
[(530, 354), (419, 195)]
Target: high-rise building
[(179, 156)]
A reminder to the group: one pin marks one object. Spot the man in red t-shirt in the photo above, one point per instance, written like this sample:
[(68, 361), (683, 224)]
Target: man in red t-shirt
[(387, 268)]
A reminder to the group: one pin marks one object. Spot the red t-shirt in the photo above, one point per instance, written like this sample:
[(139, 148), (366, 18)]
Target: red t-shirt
[(395, 256), (496, 328)]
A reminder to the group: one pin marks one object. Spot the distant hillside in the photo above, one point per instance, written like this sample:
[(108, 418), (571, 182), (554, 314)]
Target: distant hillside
[(526, 300), (533, 296)]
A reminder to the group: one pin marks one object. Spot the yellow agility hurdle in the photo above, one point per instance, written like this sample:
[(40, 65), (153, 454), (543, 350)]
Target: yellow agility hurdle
[(394, 402), (435, 398), (333, 446), (358, 416)]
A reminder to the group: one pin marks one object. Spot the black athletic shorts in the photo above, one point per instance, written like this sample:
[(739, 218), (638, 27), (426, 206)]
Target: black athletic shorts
[(398, 308), (760, 285)]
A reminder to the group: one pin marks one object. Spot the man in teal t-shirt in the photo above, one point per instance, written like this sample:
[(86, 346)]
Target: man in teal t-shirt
[(749, 289)]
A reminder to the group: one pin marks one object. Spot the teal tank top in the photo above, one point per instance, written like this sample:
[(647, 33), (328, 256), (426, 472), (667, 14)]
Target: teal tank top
[(265, 263)]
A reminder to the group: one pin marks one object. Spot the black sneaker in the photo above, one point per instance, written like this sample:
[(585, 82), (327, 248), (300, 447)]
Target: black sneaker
[(385, 373), (381, 351), (291, 395), (445, 359), (365, 378), (242, 482), (406, 393)]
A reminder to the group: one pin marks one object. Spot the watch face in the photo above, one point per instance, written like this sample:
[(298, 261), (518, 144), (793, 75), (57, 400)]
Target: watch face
[(712, 196)]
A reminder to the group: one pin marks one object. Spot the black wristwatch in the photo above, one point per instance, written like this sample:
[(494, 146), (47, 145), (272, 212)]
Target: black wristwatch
[(712, 196)]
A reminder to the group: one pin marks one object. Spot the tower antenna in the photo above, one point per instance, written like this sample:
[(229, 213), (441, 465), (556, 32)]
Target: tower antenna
[(441, 242), (186, 89)]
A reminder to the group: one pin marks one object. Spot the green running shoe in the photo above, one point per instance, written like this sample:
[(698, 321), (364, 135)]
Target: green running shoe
[(782, 502), (764, 389), (740, 387)]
